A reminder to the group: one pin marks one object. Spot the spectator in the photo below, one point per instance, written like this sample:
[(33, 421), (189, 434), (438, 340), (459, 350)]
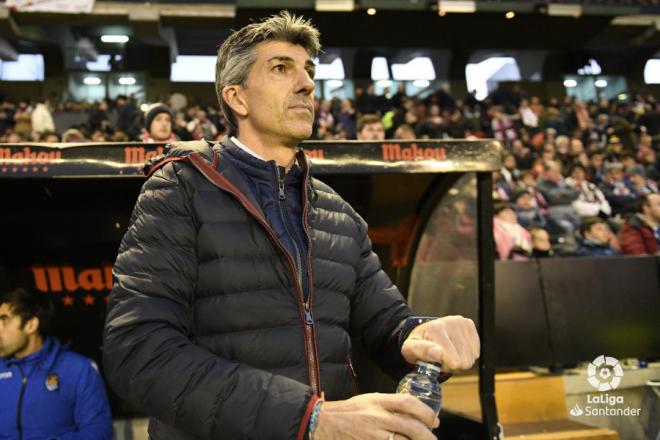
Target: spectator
[(592, 201), (509, 172), (528, 212), (639, 184), (512, 241), (347, 123), (127, 116), (618, 194), (42, 120), (595, 238), (528, 117), (641, 232), (370, 128), (201, 128), (158, 124), (541, 246), (560, 197), (433, 127), (47, 390), (405, 133)]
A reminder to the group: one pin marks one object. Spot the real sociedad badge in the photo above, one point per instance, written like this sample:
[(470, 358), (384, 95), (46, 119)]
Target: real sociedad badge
[(52, 382)]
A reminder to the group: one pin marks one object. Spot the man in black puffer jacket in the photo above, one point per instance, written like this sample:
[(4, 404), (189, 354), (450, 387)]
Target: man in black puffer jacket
[(241, 279)]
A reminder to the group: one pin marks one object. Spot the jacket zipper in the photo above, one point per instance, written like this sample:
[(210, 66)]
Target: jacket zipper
[(221, 182), (19, 425), (353, 374), (309, 320)]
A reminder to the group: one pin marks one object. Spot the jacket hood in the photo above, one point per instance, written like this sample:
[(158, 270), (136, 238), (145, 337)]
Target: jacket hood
[(180, 150)]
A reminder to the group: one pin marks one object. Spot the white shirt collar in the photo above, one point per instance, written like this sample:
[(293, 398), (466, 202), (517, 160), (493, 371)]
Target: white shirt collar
[(240, 145)]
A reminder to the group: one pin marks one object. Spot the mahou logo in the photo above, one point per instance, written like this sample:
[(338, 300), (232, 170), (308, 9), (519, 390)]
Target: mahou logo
[(58, 279), (604, 373)]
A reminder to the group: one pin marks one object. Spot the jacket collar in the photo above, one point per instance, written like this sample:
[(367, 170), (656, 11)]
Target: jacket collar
[(44, 358)]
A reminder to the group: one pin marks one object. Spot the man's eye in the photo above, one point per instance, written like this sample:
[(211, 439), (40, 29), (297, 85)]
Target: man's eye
[(311, 73), (280, 68)]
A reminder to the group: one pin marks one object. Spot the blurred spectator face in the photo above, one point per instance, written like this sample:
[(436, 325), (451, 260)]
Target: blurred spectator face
[(597, 161), (562, 143), (548, 152), (201, 116), (516, 146), (13, 138), (405, 133), (628, 162), (578, 174), (372, 132), (325, 106), (576, 147), (649, 157), (541, 240), (161, 127), (552, 171), (97, 136), (346, 106), (615, 175), (652, 208), (524, 201), (507, 215), (598, 233), (509, 162), (528, 180), (411, 118), (51, 137), (277, 99), (637, 179)]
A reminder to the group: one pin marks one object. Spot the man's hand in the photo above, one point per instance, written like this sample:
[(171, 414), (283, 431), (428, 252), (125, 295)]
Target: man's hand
[(452, 341), (376, 416)]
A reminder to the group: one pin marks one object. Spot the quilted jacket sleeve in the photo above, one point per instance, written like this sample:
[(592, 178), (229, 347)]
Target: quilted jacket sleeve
[(149, 357), (378, 310)]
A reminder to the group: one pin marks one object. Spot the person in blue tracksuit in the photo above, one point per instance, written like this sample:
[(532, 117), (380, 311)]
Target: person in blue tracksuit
[(47, 392)]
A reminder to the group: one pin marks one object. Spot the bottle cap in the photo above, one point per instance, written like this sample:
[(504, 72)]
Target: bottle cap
[(431, 366)]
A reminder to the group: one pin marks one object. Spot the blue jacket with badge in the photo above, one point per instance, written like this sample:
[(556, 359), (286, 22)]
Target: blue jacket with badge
[(53, 394)]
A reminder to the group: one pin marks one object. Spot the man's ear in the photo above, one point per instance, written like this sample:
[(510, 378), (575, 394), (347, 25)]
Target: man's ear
[(31, 325), (233, 96)]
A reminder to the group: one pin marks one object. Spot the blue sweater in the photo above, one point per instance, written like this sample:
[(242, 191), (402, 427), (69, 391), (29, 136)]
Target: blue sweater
[(53, 394)]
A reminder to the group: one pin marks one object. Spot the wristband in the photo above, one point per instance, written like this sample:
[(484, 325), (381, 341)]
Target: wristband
[(314, 419)]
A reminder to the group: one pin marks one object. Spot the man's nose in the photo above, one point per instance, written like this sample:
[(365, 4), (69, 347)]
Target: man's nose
[(305, 82)]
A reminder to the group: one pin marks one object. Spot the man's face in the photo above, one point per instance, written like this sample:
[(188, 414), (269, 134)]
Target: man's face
[(616, 175), (161, 127), (599, 233), (13, 337), (652, 209), (278, 93), (524, 201), (372, 132), (578, 174)]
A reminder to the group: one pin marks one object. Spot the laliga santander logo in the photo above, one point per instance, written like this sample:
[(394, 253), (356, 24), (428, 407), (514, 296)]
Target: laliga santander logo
[(604, 373)]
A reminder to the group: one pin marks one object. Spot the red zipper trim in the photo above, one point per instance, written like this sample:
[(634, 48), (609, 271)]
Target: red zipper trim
[(310, 284), (221, 182), (163, 163)]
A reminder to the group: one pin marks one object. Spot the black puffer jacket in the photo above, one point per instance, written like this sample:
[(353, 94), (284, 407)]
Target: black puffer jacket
[(206, 328)]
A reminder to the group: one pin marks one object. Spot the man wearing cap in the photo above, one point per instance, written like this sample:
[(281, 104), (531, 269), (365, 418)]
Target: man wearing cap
[(158, 124)]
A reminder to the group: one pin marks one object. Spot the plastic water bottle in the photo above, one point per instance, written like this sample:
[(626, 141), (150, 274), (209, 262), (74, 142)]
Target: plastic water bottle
[(423, 384)]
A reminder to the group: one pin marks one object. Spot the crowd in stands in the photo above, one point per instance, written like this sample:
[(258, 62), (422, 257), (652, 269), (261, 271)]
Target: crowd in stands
[(576, 179)]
